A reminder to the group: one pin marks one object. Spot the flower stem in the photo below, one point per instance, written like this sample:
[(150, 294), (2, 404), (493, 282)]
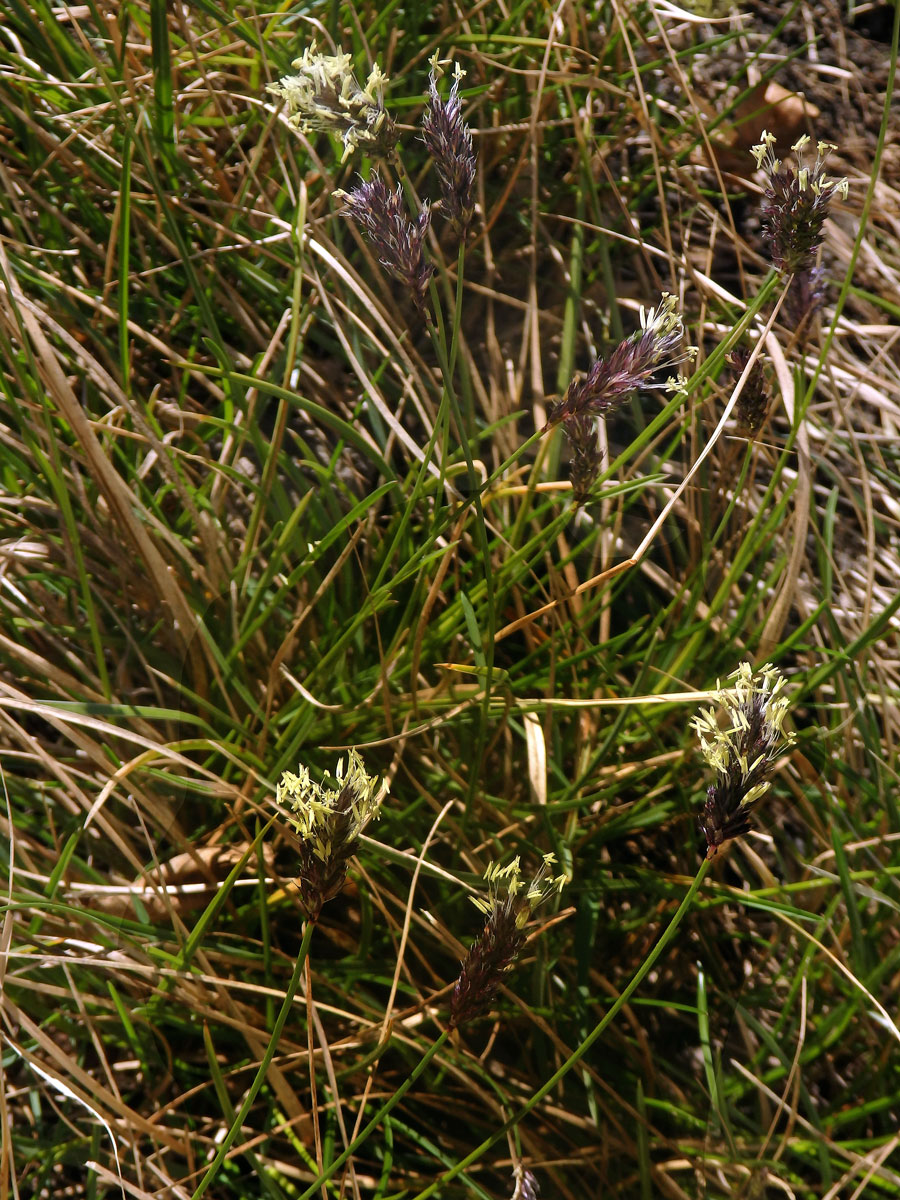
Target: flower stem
[(454, 336), (263, 1066), (578, 1054), (379, 1116), (447, 361)]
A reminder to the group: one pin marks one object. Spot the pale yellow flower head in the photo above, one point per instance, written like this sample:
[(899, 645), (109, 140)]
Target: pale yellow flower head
[(325, 95), (356, 798), (741, 742), (764, 154), (754, 694), (506, 887), (664, 319), (328, 819)]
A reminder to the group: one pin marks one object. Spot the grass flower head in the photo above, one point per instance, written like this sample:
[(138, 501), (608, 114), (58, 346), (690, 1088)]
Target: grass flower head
[(397, 240), (526, 1187), (325, 95), (328, 821), (795, 205), (635, 363), (742, 748), (449, 142), (508, 906), (657, 346)]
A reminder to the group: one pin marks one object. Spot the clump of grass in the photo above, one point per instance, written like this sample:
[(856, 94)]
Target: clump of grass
[(254, 517)]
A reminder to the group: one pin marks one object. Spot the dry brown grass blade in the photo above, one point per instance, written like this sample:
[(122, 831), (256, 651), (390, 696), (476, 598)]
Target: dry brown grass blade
[(857, 1161), (120, 500), (180, 884), (73, 794), (60, 1064)]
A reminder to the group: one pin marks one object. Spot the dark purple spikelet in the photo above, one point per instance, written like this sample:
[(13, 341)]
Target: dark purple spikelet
[(586, 457), (508, 908), (656, 346), (398, 241), (449, 142), (753, 403), (490, 957), (725, 814), (742, 750), (795, 206)]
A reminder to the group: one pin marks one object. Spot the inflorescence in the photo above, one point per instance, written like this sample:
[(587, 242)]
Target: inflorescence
[(635, 363), (325, 95), (795, 206), (328, 821), (742, 750), (508, 906), (526, 1184), (397, 239), (449, 142)]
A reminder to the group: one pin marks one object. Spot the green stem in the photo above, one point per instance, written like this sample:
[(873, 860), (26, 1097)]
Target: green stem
[(580, 1052), (379, 1116), (448, 364), (457, 323), (263, 1066)]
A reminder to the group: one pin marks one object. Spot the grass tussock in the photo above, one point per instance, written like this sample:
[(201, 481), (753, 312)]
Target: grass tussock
[(444, 415)]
